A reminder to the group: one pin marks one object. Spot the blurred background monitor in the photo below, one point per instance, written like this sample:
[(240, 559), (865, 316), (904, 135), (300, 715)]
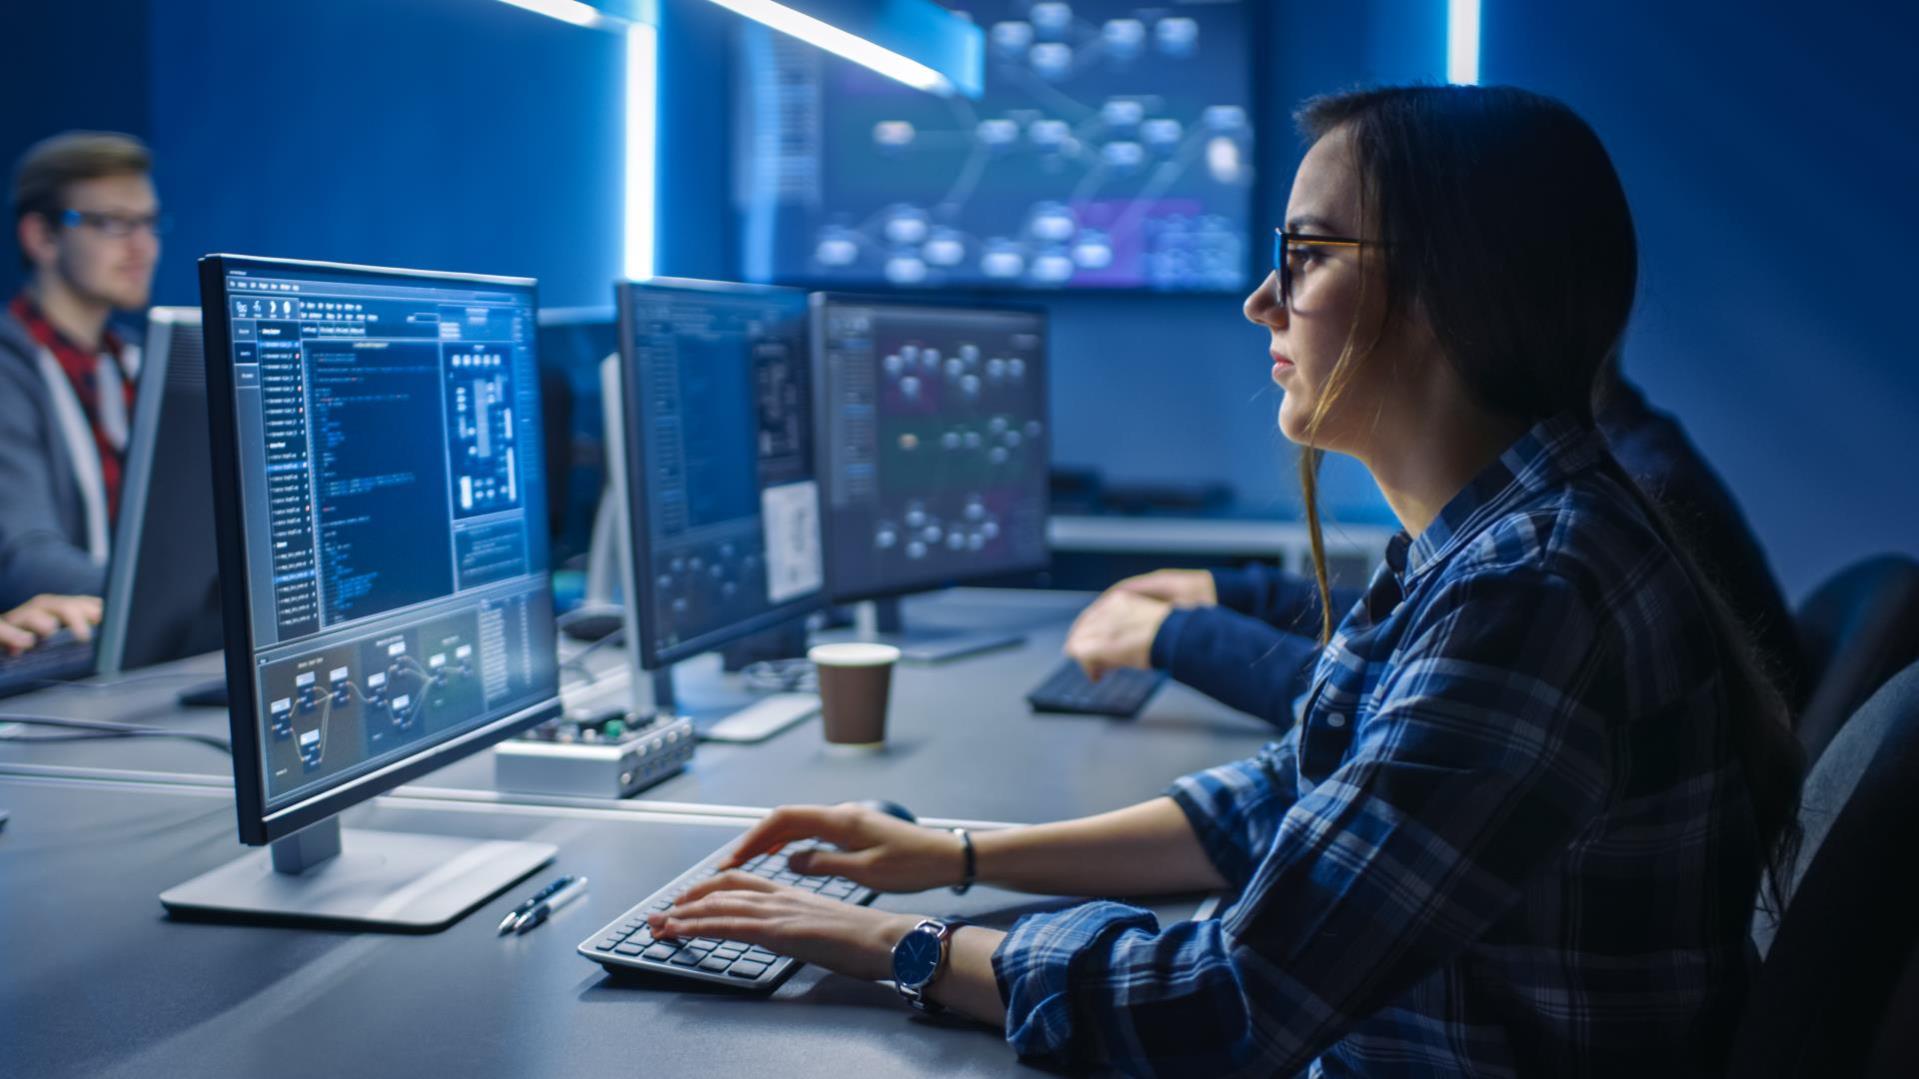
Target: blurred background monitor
[(163, 583), (573, 342), (1112, 149)]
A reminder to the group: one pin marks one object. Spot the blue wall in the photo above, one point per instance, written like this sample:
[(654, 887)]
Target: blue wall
[(1771, 154), (43, 48), (444, 134)]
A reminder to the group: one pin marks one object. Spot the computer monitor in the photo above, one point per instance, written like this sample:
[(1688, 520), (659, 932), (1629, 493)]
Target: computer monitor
[(381, 505), (163, 581), (1113, 147), (715, 465), (933, 436), (574, 341)]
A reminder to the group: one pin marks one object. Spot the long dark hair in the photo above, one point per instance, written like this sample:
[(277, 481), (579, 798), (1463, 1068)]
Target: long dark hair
[(1498, 214)]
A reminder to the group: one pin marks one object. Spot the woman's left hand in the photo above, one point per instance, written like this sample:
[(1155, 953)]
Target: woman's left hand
[(837, 935)]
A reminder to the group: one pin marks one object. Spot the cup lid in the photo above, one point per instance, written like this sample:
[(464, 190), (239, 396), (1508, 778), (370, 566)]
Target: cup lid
[(853, 654)]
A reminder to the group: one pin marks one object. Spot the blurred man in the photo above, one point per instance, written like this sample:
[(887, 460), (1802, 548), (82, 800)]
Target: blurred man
[(88, 222)]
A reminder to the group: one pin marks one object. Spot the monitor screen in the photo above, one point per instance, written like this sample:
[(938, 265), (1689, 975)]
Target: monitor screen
[(385, 450), (573, 342), (1112, 149), (725, 516), (933, 435), (163, 580)]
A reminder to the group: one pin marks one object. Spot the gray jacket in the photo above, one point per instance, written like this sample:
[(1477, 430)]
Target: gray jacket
[(44, 523)]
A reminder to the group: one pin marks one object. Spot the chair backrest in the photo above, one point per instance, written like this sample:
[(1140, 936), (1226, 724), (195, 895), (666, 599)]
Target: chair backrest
[(1856, 629), (1852, 923)]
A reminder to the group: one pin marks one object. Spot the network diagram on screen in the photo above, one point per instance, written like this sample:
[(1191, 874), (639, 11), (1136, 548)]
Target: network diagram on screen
[(1112, 149), (936, 443), (395, 534)]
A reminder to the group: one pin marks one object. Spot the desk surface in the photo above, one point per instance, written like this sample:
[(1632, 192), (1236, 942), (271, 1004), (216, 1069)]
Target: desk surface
[(962, 742), (98, 981)]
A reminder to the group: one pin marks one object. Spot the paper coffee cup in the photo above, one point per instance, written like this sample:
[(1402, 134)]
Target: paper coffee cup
[(856, 681)]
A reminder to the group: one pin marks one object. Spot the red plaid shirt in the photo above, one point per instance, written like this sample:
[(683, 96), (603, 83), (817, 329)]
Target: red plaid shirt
[(83, 371)]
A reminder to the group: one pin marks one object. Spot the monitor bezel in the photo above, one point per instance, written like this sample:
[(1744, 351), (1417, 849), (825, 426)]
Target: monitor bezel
[(258, 824), (817, 303), (654, 654), (123, 563)]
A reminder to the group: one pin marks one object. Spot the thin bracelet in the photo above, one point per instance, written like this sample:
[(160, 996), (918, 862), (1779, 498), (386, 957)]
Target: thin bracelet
[(972, 865)]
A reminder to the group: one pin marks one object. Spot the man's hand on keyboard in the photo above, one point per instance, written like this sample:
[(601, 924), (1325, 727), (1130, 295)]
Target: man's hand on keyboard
[(45, 615), (839, 936), (1117, 630), (880, 851)]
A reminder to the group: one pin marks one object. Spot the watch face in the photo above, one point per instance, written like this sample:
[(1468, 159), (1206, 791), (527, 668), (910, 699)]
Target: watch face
[(916, 957)]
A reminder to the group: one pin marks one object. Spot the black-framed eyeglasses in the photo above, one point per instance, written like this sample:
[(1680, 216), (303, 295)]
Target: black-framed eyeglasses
[(118, 226), (1289, 246)]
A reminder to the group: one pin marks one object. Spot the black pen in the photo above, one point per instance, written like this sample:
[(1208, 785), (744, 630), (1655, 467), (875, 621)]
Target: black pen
[(513, 917), (550, 904)]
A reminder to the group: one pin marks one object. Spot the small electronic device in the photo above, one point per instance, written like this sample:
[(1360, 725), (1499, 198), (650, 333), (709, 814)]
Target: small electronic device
[(606, 759)]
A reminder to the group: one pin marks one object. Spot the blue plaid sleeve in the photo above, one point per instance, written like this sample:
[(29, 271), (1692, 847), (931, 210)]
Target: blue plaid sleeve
[(1235, 809), (1478, 771)]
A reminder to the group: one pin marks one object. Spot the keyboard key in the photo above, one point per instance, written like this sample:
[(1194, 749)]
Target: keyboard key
[(746, 968), (659, 953), (760, 955), (730, 951), (707, 943), (630, 949), (687, 957), (609, 943), (715, 964)]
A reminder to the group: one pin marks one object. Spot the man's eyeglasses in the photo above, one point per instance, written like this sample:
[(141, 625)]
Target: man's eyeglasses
[(118, 226), (1291, 248)]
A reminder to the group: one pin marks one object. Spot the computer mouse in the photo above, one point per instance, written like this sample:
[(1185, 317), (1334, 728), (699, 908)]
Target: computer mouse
[(891, 809), (592, 625)]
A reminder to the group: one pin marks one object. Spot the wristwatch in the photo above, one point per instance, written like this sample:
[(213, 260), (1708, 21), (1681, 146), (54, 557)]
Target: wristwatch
[(919, 957)]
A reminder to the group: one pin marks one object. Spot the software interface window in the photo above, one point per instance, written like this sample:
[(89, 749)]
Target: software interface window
[(398, 556), (935, 438), (733, 528), (1112, 149)]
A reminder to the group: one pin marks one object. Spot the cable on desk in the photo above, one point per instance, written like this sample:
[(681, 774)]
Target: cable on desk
[(575, 663), (100, 728), (122, 683)]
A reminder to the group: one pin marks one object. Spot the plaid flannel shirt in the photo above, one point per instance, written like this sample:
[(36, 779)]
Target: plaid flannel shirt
[(1508, 834)]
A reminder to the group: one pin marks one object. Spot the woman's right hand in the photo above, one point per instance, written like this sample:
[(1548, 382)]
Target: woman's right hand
[(876, 849)]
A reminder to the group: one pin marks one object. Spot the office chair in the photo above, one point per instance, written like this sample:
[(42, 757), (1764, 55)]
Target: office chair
[(1857, 628), (1839, 958)]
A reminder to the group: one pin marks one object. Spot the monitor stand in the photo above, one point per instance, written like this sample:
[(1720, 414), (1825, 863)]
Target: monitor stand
[(879, 621), (719, 711), (388, 881)]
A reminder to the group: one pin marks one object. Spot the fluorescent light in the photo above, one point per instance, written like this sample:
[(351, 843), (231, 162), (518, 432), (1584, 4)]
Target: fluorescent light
[(840, 43), (642, 102), (573, 11), (1462, 41)]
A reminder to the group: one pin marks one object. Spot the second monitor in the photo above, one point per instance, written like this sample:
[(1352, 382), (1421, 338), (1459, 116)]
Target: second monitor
[(708, 400), (933, 436)]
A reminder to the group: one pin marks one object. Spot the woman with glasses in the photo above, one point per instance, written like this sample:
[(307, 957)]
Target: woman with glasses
[(1537, 780)]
